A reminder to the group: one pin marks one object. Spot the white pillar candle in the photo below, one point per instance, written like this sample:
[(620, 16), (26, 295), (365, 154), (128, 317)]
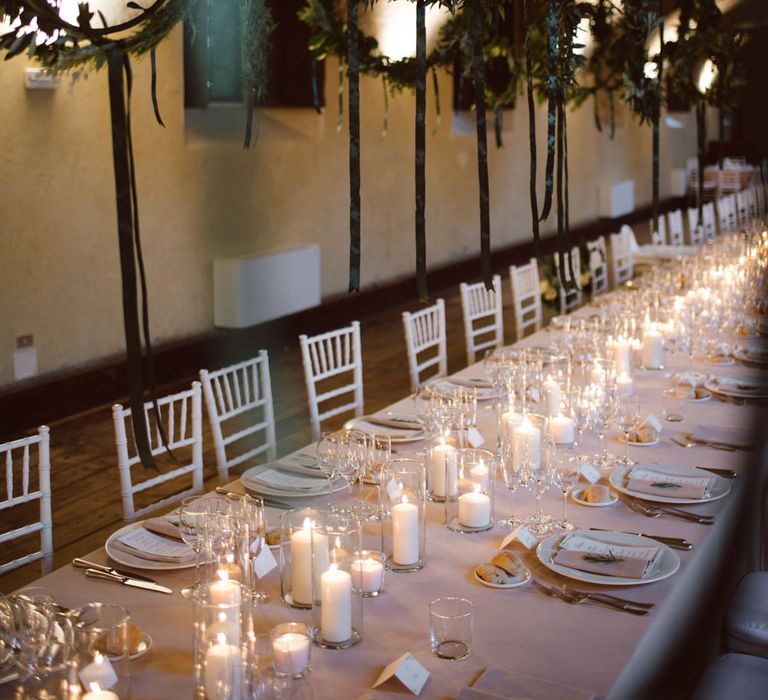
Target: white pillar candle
[(474, 509), (509, 421), (439, 464), (561, 429), (551, 396), (405, 533), (597, 375), (368, 574), (625, 385), (652, 352), (335, 605), (303, 543), (223, 591), (622, 356), (223, 670), (291, 653), (98, 674), (526, 438)]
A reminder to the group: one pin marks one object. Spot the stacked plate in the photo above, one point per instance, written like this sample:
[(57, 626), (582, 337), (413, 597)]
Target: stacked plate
[(284, 482), (668, 476), (390, 424), (752, 354), (738, 387), (446, 387)]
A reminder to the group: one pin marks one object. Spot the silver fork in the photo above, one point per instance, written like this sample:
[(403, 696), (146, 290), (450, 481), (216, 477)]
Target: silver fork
[(655, 512), (599, 594)]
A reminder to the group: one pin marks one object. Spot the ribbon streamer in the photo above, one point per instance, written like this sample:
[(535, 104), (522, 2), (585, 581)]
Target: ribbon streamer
[(701, 139), (655, 127), (498, 125), (155, 104), (354, 146), (315, 88), (551, 107), (531, 129), (385, 125), (340, 118), (120, 80), (421, 109), (482, 141), (436, 86)]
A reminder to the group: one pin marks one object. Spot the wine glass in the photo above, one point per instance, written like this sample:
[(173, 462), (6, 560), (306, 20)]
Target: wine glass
[(627, 415), (379, 454), (601, 415), (248, 512), (353, 456), (567, 476), (328, 453), (512, 474), (538, 465), (192, 514)]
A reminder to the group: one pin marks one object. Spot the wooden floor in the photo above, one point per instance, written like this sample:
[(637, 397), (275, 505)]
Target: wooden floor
[(85, 483)]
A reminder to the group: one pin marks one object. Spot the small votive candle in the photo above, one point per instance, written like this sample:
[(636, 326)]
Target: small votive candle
[(291, 649), (561, 429), (96, 693), (474, 508), (368, 572)]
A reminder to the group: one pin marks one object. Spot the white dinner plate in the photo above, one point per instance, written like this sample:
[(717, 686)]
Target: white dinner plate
[(246, 479), (446, 387), (137, 562), (745, 355), (739, 387), (395, 435), (514, 581), (719, 488), (576, 497), (668, 562)]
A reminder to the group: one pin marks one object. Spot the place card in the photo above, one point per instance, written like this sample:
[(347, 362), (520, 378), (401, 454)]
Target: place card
[(590, 473), (523, 535), (475, 437), (652, 421), (264, 562), (408, 671)]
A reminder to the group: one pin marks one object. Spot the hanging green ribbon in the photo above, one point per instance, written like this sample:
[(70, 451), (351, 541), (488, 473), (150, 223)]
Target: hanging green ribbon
[(531, 128), (498, 125), (340, 118), (436, 86), (354, 147), (315, 89), (120, 84), (596, 107), (701, 140), (421, 110), (655, 206), (478, 76), (155, 104), (551, 106), (385, 125)]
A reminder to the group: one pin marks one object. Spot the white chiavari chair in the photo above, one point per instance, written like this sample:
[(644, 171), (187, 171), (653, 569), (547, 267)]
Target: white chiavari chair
[(710, 225), (570, 299), (622, 267), (425, 336), (752, 205), (659, 237), (17, 494), (742, 206), (483, 306), (240, 395), (760, 191), (695, 230), (526, 297), (729, 209), (330, 356), (598, 265), (181, 418), (676, 231)]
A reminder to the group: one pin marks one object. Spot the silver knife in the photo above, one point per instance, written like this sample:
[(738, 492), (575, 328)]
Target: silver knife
[(84, 564), (127, 581), (674, 542)]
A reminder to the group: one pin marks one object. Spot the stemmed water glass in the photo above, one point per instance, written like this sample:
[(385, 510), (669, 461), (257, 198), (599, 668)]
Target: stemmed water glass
[(539, 473), (627, 415), (512, 474), (567, 476), (353, 457), (251, 522), (329, 448), (192, 514), (601, 416)]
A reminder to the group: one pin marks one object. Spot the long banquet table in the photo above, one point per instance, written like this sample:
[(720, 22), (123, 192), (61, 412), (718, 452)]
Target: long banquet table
[(586, 647)]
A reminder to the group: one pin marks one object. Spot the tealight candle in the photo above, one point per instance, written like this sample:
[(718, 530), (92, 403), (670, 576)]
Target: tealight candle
[(368, 574), (335, 605), (96, 693), (405, 533), (474, 508), (291, 653)]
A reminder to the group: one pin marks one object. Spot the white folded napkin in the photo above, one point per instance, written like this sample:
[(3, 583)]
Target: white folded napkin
[(477, 382), (600, 556), (399, 422), (657, 482), (162, 526), (143, 544)]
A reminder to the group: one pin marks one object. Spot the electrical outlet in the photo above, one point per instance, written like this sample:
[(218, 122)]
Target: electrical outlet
[(25, 341)]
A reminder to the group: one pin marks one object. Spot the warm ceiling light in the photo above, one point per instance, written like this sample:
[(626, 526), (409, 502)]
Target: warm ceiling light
[(707, 76), (394, 25)]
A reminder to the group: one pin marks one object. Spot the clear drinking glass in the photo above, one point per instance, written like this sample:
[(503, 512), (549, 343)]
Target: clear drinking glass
[(450, 627), (627, 416), (567, 474), (329, 448), (191, 516), (248, 512)]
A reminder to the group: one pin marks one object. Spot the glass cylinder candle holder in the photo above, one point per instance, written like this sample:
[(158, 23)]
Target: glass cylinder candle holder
[(102, 644), (368, 572), (470, 508), (296, 556), (436, 457), (405, 525), (219, 640), (291, 649), (338, 605)]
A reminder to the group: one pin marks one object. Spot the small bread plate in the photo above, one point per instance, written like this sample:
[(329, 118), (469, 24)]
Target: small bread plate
[(637, 443), (720, 487), (667, 563), (144, 646), (577, 496), (514, 581), (135, 562), (396, 435)]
